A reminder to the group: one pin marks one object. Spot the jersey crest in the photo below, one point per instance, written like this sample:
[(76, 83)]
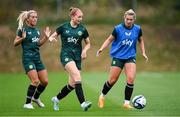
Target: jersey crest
[(79, 33)]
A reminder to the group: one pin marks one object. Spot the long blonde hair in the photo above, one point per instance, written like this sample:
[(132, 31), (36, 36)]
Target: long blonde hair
[(130, 12), (24, 15)]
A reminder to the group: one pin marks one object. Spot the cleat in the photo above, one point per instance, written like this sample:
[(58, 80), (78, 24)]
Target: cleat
[(28, 106), (86, 105), (127, 106), (101, 102), (38, 102), (55, 101)]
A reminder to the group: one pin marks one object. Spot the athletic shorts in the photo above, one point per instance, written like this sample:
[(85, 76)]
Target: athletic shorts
[(121, 62), (33, 64), (66, 59)]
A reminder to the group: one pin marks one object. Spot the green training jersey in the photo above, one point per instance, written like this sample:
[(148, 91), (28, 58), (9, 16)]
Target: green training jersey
[(30, 44), (71, 39)]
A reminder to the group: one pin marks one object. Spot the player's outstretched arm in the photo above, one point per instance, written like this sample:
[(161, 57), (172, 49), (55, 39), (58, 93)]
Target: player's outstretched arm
[(47, 33), (106, 44)]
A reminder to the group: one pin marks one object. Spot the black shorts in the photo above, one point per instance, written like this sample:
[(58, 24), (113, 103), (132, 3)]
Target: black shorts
[(30, 64), (121, 62), (66, 59)]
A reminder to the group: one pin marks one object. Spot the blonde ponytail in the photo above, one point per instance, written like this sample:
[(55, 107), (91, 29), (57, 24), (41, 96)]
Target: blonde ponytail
[(22, 17)]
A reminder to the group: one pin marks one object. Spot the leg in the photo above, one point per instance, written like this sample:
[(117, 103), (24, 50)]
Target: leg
[(64, 92), (43, 77), (75, 75), (32, 74), (66, 89), (130, 71), (113, 77)]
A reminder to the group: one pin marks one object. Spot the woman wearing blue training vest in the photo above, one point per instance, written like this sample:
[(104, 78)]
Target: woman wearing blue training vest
[(123, 52)]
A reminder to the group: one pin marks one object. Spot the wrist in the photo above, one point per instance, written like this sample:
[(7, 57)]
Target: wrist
[(101, 49)]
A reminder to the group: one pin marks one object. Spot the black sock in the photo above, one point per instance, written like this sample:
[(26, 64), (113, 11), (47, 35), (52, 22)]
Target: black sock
[(30, 93), (79, 92), (106, 87), (128, 91), (64, 91), (39, 90)]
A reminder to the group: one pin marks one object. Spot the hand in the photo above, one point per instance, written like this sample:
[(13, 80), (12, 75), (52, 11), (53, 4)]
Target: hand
[(98, 52), (23, 34), (47, 32), (52, 38), (83, 55), (145, 56)]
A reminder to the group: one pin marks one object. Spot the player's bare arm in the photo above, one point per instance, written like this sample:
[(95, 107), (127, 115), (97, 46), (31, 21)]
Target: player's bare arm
[(86, 48), (19, 39), (141, 44), (105, 44)]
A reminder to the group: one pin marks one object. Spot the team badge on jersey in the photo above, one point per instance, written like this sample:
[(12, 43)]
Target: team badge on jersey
[(66, 59), (79, 33), (114, 62), (30, 66)]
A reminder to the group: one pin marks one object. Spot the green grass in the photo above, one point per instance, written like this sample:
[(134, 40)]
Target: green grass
[(160, 89)]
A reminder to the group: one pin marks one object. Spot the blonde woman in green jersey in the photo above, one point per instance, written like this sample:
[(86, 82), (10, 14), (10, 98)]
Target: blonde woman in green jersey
[(29, 37)]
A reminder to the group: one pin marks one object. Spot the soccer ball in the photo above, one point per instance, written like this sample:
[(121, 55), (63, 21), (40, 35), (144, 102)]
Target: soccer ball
[(139, 102)]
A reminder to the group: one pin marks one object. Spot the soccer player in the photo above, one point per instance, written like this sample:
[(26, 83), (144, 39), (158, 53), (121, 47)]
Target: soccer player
[(123, 52), (72, 34), (29, 37)]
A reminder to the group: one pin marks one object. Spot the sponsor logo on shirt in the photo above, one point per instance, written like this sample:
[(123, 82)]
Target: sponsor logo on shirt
[(127, 34), (127, 42), (72, 40), (29, 33), (35, 39), (67, 31)]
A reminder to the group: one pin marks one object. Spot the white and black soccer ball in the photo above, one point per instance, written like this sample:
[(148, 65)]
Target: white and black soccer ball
[(139, 102)]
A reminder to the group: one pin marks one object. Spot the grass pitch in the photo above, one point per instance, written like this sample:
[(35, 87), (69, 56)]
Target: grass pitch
[(160, 89)]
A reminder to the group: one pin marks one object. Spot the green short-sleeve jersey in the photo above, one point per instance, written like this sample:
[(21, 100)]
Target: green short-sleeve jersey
[(30, 44), (71, 39)]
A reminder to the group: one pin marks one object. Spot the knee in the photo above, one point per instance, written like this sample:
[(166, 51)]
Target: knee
[(130, 80), (112, 81), (35, 82), (45, 82), (76, 77)]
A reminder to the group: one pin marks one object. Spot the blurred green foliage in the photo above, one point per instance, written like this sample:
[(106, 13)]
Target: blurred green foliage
[(160, 21), (164, 11)]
